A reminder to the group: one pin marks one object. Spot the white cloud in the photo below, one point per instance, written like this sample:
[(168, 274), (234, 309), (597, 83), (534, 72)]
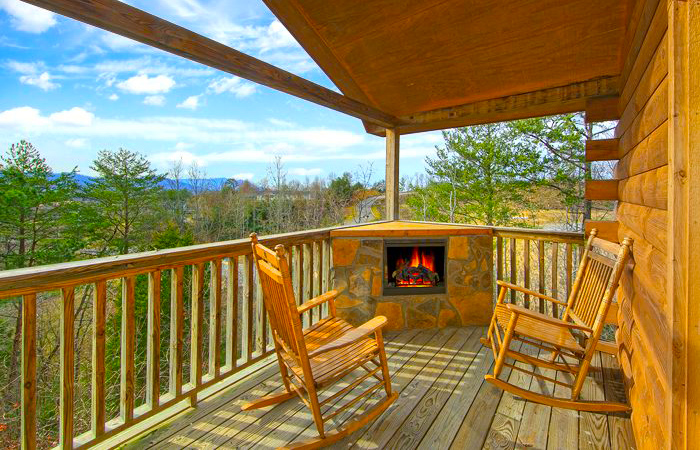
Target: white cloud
[(191, 102), (26, 68), (234, 85), (113, 97), (154, 100), (243, 176), (42, 81), (274, 37), (303, 172), (143, 84), (164, 159), (28, 18), (74, 116), (77, 143), (237, 141)]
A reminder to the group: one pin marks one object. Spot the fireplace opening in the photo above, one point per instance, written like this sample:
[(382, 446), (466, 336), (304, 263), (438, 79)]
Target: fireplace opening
[(414, 267)]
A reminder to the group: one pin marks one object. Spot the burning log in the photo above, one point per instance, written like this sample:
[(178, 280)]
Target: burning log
[(405, 274)]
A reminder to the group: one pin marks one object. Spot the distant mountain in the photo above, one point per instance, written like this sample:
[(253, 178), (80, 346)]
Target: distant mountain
[(185, 183)]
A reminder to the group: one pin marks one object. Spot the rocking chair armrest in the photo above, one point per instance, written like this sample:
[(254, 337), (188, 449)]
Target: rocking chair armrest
[(529, 292), (323, 298), (546, 319), (352, 336)]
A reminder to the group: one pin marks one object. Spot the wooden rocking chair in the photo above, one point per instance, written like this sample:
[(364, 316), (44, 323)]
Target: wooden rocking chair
[(575, 336), (320, 355)]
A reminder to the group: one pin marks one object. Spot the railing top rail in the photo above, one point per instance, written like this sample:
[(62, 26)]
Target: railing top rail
[(42, 278), (533, 233)]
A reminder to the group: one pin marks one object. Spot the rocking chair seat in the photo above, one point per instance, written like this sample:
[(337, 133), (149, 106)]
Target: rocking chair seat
[(541, 330), (333, 364)]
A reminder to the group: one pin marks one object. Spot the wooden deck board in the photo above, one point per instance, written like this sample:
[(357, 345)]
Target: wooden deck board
[(444, 403)]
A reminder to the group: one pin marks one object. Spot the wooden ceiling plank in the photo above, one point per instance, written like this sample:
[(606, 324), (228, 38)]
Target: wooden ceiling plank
[(133, 23), (288, 12), (559, 100)]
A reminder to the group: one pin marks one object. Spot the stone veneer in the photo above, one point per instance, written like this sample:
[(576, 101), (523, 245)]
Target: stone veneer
[(357, 274)]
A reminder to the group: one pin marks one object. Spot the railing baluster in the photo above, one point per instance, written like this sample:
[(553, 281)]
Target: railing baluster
[(513, 269), (318, 275), (232, 314), (569, 268), (326, 275), (67, 369), (308, 278), (196, 346), (128, 347), (98, 359), (526, 270), (555, 277), (260, 319), (215, 319), (29, 372), (248, 295), (499, 258), (153, 342), (541, 274), (177, 315)]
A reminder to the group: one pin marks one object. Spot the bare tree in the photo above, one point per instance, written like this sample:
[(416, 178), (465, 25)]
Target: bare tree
[(365, 200)]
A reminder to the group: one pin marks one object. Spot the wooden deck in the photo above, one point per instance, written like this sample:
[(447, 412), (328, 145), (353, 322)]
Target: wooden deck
[(444, 403)]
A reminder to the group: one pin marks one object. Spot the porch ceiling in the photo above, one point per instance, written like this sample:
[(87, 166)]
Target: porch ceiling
[(406, 58)]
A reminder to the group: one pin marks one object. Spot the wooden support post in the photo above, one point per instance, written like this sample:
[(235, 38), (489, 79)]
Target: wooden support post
[(392, 174), (683, 258), (602, 150), (29, 372), (601, 189)]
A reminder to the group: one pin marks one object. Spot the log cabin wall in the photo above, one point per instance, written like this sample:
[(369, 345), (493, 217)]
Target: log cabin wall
[(645, 316)]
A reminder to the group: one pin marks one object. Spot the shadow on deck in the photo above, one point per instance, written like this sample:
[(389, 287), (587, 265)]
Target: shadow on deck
[(444, 403)]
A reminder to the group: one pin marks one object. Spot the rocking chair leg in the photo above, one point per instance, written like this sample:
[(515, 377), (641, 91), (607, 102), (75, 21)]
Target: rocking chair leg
[(504, 347), (385, 366), (316, 410)]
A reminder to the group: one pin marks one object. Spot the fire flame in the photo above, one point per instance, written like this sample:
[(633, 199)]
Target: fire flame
[(418, 257)]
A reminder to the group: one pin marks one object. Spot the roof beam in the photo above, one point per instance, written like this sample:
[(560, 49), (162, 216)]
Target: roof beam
[(133, 23), (546, 102)]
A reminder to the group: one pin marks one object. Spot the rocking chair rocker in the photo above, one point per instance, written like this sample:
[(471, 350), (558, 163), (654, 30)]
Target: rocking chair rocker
[(575, 336), (320, 355)]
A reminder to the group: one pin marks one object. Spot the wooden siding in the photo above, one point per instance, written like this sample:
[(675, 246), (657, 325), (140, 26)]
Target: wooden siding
[(644, 315)]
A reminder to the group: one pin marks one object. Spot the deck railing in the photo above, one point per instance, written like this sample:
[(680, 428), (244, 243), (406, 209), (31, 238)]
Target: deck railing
[(222, 284), (540, 260), (213, 295)]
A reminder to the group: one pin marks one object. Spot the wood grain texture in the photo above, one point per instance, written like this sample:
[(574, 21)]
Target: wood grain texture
[(232, 347), (130, 22), (392, 173), (602, 109), (607, 230), (197, 329), (601, 190), (602, 149), (67, 368), (98, 394), (177, 317), (28, 392), (649, 154), (153, 342), (128, 350), (647, 189), (555, 100), (215, 292)]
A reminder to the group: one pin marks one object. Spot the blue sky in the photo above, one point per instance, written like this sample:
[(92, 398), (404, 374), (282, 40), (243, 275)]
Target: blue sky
[(72, 90)]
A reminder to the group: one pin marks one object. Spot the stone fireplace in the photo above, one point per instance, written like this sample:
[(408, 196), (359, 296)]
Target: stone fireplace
[(418, 275)]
